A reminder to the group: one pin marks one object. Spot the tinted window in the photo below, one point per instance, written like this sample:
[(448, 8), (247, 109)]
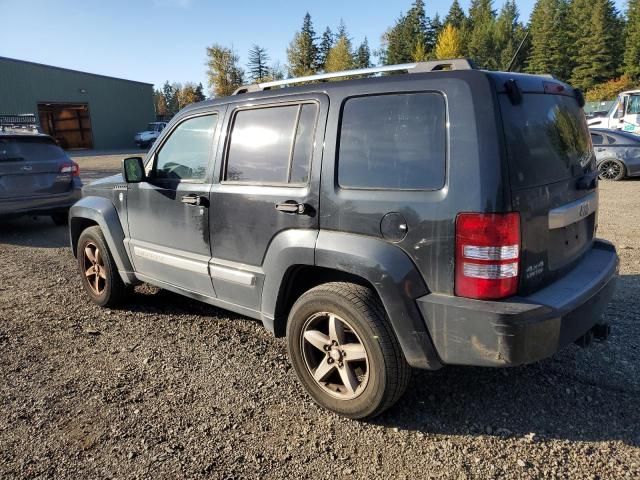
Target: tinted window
[(185, 154), (547, 139), (266, 147), (393, 142), (610, 139), (32, 149), (597, 139)]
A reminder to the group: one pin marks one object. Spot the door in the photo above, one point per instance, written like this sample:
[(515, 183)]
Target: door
[(269, 174), (553, 174), (168, 215), (32, 166)]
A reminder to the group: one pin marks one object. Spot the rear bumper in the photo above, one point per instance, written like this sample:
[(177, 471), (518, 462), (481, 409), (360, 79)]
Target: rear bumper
[(523, 329), (42, 205)]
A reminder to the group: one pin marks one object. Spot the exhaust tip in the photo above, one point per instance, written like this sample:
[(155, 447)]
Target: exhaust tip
[(601, 331)]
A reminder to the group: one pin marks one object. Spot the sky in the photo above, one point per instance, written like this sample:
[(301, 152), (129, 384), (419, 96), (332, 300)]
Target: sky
[(157, 40)]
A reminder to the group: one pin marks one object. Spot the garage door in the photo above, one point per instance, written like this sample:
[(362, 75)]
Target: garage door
[(68, 123)]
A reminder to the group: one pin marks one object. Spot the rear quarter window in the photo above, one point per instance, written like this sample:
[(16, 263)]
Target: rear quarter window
[(393, 141)]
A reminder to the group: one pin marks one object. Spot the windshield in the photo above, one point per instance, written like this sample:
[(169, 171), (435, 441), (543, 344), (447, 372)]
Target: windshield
[(547, 139), (32, 149), (153, 126)]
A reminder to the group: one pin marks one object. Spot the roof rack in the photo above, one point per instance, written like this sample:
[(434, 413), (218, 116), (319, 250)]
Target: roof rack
[(22, 123), (418, 67)]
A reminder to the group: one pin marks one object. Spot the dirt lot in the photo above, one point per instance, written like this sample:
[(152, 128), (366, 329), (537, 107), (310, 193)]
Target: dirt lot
[(167, 387)]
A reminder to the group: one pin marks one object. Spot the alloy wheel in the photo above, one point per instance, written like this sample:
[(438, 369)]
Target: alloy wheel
[(335, 356), (94, 268), (609, 170)]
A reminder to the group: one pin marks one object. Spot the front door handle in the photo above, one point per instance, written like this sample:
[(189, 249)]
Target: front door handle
[(291, 206), (194, 200)]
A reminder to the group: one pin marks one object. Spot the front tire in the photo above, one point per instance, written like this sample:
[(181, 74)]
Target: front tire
[(98, 271), (344, 351), (612, 169)]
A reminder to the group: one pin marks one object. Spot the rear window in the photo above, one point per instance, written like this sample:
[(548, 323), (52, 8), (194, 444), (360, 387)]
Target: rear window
[(547, 139), (395, 141), (32, 149)]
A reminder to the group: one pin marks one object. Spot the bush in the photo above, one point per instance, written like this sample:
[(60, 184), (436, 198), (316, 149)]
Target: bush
[(609, 90)]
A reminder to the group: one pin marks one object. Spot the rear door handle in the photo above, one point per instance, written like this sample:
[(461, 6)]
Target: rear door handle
[(291, 206), (195, 200)]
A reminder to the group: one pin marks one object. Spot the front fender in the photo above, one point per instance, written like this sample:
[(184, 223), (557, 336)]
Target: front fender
[(102, 212), (396, 280)]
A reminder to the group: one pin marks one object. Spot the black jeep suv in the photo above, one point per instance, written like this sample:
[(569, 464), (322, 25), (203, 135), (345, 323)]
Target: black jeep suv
[(441, 216)]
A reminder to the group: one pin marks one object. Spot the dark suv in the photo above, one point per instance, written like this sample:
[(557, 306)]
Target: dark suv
[(422, 219)]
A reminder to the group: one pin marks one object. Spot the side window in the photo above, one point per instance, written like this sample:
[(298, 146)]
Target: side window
[(611, 140), (271, 145), (185, 154), (597, 139), (395, 141), (633, 105)]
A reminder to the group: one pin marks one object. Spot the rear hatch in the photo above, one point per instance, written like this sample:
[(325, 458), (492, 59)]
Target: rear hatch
[(32, 166), (552, 174)]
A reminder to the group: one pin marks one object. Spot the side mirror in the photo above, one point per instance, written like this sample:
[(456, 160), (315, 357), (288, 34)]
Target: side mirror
[(133, 170)]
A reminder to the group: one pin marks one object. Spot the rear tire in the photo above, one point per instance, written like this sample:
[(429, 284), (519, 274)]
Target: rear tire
[(357, 369), (61, 218), (611, 169), (98, 271)]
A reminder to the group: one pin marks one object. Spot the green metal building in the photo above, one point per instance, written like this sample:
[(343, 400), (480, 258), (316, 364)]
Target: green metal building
[(81, 110)]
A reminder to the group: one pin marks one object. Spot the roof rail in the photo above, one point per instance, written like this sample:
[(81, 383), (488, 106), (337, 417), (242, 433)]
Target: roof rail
[(418, 67)]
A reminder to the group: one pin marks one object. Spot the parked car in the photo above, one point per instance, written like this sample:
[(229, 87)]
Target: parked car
[(146, 138), (617, 153), (440, 217), (36, 175)]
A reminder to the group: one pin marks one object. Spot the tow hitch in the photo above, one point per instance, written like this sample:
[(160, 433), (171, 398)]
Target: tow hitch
[(599, 332)]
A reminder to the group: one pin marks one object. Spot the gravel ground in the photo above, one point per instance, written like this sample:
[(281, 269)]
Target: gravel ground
[(166, 387)]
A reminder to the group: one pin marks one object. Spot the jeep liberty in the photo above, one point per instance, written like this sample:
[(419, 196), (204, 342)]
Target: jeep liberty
[(442, 215)]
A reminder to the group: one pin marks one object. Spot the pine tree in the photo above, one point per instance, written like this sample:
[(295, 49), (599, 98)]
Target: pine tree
[(200, 93), (223, 71), (302, 53), (436, 28), (399, 42), (449, 43), (549, 52), (170, 98), (509, 32), (596, 58), (363, 55), (257, 66), (326, 43), (340, 57), (419, 53), (481, 42), (188, 94), (456, 16), (632, 41), (160, 103)]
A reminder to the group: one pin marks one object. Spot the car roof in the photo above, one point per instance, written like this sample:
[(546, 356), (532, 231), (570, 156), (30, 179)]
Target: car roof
[(527, 83), (617, 133)]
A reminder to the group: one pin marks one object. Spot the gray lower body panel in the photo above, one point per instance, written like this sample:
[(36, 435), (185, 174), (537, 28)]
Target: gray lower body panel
[(523, 329)]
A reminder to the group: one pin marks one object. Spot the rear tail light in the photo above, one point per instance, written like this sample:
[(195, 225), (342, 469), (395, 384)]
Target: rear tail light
[(487, 255), (71, 168)]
